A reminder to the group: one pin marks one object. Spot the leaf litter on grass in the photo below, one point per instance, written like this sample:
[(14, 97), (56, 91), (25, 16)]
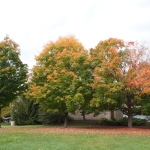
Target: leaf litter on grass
[(86, 130)]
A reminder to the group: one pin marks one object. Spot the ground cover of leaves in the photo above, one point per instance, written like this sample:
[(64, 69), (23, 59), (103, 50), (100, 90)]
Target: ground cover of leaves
[(74, 130)]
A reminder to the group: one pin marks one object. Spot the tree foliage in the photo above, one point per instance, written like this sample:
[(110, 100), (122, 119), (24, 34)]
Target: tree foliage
[(113, 76), (13, 73), (107, 74), (24, 111), (122, 76), (59, 75)]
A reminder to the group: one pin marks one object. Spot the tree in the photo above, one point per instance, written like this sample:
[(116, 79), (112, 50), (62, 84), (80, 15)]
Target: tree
[(107, 62), (83, 88), (56, 76), (121, 77), (24, 111), (144, 106), (13, 73), (136, 80), (6, 112)]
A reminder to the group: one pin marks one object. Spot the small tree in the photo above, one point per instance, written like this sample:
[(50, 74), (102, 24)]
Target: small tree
[(13, 73), (24, 111)]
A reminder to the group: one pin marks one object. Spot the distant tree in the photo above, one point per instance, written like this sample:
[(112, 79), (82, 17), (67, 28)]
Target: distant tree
[(13, 73), (58, 76)]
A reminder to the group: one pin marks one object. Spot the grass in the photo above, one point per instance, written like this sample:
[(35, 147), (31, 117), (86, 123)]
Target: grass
[(21, 140), (5, 124)]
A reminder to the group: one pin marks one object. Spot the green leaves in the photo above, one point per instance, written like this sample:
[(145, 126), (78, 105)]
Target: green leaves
[(24, 111), (13, 73)]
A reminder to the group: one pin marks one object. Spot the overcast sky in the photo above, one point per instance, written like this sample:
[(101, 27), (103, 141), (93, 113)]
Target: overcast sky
[(32, 23)]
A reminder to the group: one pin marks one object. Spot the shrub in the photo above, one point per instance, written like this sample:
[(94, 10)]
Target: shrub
[(122, 122), (1, 120), (52, 118), (107, 122), (6, 112), (139, 122), (24, 111)]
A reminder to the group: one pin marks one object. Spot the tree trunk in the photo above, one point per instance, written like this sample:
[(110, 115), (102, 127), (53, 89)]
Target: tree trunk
[(112, 114), (129, 117), (66, 120), (83, 114), (0, 116)]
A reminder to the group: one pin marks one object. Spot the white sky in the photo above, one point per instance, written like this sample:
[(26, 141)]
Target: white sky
[(32, 23)]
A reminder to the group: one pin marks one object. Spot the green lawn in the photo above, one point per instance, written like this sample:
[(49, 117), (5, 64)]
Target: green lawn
[(5, 124), (26, 140)]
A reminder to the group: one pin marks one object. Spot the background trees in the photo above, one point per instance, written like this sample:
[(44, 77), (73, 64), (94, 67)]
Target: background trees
[(13, 73)]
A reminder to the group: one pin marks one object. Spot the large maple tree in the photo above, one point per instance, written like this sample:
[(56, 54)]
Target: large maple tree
[(59, 76)]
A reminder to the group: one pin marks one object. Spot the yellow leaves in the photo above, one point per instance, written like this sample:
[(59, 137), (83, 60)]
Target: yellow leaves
[(3, 58), (113, 89), (68, 42), (48, 91), (96, 73), (55, 73), (2, 44), (46, 51), (94, 103), (77, 55), (55, 81), (137, 98), (79, 98), (97, 78), (80, 88), (108, 100), (34, 91), (72, 74), (68, 97), (7, 42), (62, 99), (5, 69), (49, 77), (139, 78), (108, 44), (97, 104)]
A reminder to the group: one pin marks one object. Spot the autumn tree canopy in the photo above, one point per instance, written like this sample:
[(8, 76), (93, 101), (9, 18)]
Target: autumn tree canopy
[(13, 73), (58, 79), (121, 76), (107, 60), (112, 76)]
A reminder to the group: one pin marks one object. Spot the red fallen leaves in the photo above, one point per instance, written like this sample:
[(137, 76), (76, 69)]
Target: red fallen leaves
[(85, 130)]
